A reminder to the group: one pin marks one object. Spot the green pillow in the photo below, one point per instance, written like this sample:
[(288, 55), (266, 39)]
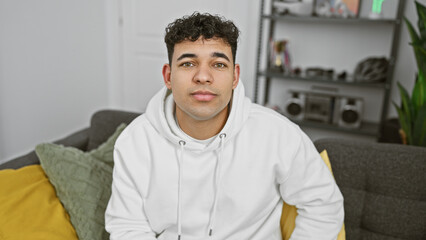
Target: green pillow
[(83, 183)]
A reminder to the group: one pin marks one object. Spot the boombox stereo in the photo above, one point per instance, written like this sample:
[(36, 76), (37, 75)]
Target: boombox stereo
[(333, 109)]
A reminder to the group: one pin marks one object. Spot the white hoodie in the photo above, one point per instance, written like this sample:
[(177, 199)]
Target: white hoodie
[(167, 185)]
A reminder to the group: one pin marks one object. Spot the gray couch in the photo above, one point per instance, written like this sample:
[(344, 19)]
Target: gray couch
[(384, 185)]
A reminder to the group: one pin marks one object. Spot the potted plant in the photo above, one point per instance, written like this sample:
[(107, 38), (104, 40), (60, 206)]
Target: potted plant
[(412, 111)]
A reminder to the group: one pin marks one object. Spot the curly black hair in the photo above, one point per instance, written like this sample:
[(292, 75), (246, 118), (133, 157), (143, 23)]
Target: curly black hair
[(201, 25)]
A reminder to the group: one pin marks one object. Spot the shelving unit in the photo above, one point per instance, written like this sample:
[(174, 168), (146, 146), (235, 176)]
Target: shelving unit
[(267, 14)]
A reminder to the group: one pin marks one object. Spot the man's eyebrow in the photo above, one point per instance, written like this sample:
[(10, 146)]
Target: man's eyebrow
[(187, 55), (220, 55)]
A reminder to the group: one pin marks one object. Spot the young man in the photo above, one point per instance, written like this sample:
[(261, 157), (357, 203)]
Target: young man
[(204, 162)]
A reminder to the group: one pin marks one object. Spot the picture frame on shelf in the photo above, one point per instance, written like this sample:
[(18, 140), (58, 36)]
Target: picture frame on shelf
[(337, 8)]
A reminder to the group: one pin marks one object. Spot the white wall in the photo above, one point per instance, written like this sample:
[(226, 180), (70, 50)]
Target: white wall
[(52, 70)]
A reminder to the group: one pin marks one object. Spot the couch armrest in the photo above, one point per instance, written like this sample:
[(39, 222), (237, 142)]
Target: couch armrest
[(78, 140)]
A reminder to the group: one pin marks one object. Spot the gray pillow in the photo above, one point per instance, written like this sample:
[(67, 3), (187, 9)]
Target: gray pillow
[(83, 183)]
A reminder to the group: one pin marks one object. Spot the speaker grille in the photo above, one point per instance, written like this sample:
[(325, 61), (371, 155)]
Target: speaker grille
[(294, 109), (350, 116)]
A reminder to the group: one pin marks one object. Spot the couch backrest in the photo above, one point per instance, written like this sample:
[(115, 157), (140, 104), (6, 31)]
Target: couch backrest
[(104, 123), (384, 188)]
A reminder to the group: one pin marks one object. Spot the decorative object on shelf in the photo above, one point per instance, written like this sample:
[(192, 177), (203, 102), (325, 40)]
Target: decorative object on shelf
[(346, 8), (323, 8), (342, 76), (412, 111), (376, 9), (372, 70), (317, 72), (337, 8), (295, 7), (280, 56), (297, 71)]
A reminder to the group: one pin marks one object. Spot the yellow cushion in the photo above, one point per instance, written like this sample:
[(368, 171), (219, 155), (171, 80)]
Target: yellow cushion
[(288, 217), (29, 208)]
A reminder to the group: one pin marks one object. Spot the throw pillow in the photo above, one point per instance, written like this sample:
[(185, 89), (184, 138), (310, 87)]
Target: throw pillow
[(83, 183), (29, 207), (289, 213)]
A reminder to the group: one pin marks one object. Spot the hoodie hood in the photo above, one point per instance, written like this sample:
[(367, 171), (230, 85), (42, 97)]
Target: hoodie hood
[(157, 109)]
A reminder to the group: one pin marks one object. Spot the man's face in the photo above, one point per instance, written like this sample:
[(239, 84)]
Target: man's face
[(202, 76)]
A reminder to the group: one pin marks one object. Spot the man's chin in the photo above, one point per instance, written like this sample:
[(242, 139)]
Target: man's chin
[(205, 114), (203, 117)]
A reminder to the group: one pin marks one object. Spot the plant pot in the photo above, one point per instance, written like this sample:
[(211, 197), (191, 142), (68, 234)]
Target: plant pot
[(403, 136)]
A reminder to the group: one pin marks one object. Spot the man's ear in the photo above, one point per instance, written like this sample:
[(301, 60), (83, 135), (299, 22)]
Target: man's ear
[(236, 76), (166, 76)]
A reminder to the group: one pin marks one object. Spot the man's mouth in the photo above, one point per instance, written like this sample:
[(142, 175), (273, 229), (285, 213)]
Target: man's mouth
[(203, 96)]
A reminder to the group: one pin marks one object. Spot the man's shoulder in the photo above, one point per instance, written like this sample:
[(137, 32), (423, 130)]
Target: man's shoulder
[(139, 124), (261, 113), (269, 121)]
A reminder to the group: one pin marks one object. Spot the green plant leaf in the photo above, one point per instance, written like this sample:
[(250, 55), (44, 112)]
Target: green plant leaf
[(420, 54), (419, 47), (419, 91), (416, 42), (415, 38), (407, 106), (412, 112), (405, 125), (421, 12), (419, 128)]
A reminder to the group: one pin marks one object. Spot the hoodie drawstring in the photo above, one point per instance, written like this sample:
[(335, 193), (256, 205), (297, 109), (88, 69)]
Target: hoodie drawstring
[(217, 186), (217, 179), (180, 161)]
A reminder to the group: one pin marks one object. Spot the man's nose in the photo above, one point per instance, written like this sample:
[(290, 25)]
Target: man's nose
[(203, 75)]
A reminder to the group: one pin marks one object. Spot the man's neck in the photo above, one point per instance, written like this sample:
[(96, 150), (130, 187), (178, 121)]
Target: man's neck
[(205, 129)]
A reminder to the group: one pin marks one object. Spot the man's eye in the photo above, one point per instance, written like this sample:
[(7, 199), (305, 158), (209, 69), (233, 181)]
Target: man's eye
[(219, 65), (187, 64)]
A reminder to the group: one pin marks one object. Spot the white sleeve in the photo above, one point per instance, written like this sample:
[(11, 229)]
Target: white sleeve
[(125, 217), (310, 186)]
